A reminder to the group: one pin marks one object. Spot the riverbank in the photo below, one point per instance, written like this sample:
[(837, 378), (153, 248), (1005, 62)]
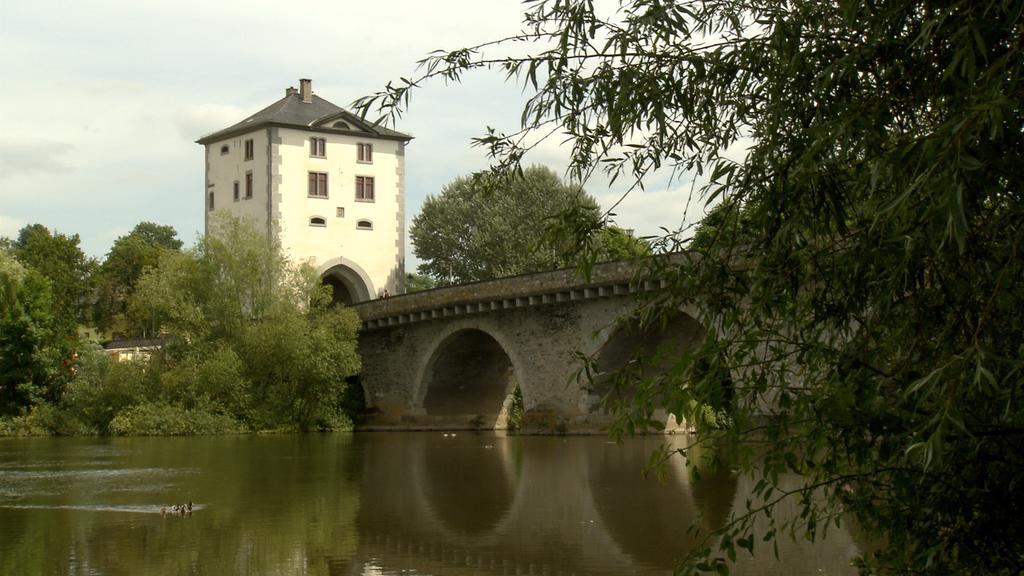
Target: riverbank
[(149, 419)]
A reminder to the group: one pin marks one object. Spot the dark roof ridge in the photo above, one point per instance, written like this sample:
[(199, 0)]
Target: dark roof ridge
[(292, 112)]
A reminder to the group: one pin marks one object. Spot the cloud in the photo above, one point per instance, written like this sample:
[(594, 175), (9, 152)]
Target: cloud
[(198, 120), (648, 212), (22, 156), (9, 226)]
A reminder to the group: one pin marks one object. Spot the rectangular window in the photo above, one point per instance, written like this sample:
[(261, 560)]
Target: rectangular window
[(249, 149), (234, 193), (364, 188), (318, 184), (318, 147), (365, 153), (211, 201), (248, 184), (340, 212)]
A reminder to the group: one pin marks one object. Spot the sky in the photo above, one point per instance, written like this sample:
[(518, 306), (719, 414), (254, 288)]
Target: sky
[(101, 102)]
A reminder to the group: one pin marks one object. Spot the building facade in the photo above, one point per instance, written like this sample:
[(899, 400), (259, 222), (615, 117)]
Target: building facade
[(330, 185)]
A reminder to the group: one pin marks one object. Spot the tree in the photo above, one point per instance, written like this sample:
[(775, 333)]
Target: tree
[(29, 348), (120, 271), (482, 227), (257, 328), (418, 282), (862, 290), (59, 259), (613, 243)]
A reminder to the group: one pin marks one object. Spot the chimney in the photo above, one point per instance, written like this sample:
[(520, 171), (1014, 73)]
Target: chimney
[(290, 91), (306, 89)]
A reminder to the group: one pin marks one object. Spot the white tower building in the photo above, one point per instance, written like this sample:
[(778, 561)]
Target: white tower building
[(330, 183)]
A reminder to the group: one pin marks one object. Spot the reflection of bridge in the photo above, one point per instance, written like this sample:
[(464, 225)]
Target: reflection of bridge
[(536, 506), (451, 357), (473, 506)]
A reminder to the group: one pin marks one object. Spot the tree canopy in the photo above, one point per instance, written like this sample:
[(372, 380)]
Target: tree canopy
[(861, 285), (121, 269), (256, 336), (241, 339), (30, 353), (45, 286), (418, 282), (481, 227), (61, 261)]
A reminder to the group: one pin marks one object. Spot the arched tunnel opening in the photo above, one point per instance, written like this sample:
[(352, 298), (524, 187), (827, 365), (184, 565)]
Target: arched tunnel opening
[(637, 353), (651, 350), (340, 294), (470, 381), (346, 285)]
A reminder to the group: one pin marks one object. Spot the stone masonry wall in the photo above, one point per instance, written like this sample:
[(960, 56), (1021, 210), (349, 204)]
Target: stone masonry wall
[(541, 341)]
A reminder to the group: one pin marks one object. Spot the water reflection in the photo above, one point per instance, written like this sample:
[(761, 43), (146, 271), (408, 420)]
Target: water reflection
[(257, 511), (652, 524), (468, 484), (367, 504)]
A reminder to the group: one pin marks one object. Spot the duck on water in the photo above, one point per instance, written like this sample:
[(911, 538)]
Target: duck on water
[(179, 509)]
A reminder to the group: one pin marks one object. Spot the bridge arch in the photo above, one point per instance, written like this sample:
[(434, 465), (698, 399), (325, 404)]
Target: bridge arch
[(348, 281), (639, 352), (469, 376)]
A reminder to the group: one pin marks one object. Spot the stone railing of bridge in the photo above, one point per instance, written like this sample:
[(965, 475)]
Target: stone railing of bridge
[(534, 289)]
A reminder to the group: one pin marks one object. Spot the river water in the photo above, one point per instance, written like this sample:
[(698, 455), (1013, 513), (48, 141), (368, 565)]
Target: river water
[(368, 504)]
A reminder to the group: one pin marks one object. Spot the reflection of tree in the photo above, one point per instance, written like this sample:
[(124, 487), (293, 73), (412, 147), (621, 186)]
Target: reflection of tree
[(712, 491), (260, 516)]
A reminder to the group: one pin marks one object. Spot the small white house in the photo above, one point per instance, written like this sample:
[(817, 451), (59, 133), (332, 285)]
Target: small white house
[(330, 183), (133, 350)]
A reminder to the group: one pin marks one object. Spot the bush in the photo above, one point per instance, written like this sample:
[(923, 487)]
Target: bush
[(60, 421), (24, 425), (161, 419), (515, 411), (45, 420), (210, 377), (298, 367), (103, 388), (253, 337)]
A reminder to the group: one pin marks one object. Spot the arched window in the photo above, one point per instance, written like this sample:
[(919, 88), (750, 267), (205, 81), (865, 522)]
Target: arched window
[(364, 225), (318, 221), (342, 125), (224, 149)]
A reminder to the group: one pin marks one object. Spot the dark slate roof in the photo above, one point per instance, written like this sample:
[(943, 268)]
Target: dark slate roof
[(319, 115), (135, 343)]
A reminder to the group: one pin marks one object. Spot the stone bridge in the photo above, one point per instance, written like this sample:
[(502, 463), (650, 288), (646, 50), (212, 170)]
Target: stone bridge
[(451, 358)]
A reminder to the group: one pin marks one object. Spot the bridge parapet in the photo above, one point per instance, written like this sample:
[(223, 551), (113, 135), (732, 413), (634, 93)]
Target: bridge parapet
[(525, 290)]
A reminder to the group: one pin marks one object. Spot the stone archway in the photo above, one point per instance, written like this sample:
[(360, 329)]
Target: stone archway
[(348, 282), (641, 353), (468, 381)]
